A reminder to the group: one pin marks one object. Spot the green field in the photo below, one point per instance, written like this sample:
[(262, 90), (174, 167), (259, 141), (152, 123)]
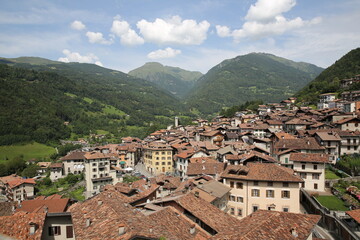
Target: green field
[(332, 203), (30, 151), (330, 174)]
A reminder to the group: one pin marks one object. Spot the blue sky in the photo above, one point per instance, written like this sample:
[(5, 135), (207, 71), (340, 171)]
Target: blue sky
[(194, 35)]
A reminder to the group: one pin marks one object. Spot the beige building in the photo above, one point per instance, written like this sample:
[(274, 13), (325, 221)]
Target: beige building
[(261, 186), (158, 158), (97, 172), (20, 189), (56, 171), (73, 163), (311, 168)]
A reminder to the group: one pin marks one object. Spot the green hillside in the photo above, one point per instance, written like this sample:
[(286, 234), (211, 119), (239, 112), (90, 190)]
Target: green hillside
[(172, 79), (329, 80), (255, 76), (37, 99)]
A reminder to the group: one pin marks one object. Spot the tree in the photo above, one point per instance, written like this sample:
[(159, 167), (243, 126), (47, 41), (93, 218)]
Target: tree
[(30, 171)]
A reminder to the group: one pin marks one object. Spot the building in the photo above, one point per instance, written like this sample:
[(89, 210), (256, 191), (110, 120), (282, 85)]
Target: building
[(20, 189), (73, 163), (325, 100), (158, 158), (331, 141), (56, 171), (311, 168), (261, 186), (97, 172)]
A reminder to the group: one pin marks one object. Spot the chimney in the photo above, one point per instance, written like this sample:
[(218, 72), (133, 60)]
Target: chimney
[(196, 194), (46, 209), (294, 232), (32, 229), (122, 229), (150, 230), (87, 222), (192, 229), (99, 203)]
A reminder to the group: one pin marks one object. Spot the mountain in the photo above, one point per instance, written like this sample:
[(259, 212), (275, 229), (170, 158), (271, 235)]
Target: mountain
[(38, 97), (255, 76), (329, 80), (172, 79)]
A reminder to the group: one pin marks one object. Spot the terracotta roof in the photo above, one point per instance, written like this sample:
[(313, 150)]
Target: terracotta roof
[(328, 136), (284, 135), (345, 120), (261, 172), (298, 143), (73, 156), (52, 205), (246, 156), (355, 214), (95, 155), (6, 208), (205, 168), (18, 182), (202, 160), (56, 165), (309, 157), (10, 178), (18, 225), (273, 225), (214, 188)]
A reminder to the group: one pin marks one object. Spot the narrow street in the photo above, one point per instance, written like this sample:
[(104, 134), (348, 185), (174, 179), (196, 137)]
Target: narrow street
[(140, 167)]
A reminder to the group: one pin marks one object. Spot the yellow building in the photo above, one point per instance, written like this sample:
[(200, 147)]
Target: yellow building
[(158, 158)]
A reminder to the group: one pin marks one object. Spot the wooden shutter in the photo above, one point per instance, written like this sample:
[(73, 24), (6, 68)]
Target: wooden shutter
[(69, 232)]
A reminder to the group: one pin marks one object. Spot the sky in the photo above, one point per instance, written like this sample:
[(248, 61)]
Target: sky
[(193, 35)]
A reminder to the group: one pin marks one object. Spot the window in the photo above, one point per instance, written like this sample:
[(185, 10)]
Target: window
[(315, 186), (285, 184), (232, 211), (239, 212), (95, 187), (348, 147), (303, 184), (163, 153), (315, 176), (240, 199), (162, 158), (168, 158), (256, 183), (156, 153), (315, 167), (303, 175), (54, 231), (255, 208), (94, 169), (94, 164), (169, 163), (285, 194), (255, 192), (231, 184), (157, 158), (270, 184), (232, 198), (285, 209), (163, 163), (269, 193), (157, 163), (303, 166), (286, 160), (94, 176), (239, 185), (69, 232)]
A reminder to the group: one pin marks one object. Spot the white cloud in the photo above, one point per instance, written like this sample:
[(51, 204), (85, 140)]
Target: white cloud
[(127, 35), (265, 19), (174, 31), (164, 53), (97, 37), (76, 57), (267, 10), (77, 25)]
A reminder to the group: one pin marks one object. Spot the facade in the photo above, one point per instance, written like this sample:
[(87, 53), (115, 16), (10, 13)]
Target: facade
[(325, 100), (350, 142), (261, 186), (311, 168), (331, 141), (73, 163), (20, 189), (56, 171), (97, 172), (158, 159)]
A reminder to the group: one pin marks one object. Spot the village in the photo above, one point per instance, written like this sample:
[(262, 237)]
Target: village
[(253, 175)]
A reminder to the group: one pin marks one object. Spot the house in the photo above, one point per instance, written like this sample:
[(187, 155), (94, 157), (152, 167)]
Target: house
[(73, 163), (213, 192), (98, 172), (325, 100), (348, 124), (43, 167), (350, 142), (261, 186), (311, 168), (331, 141), (20, 189), (158, 158), (56, 171), (252, 156), (182, 160)]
